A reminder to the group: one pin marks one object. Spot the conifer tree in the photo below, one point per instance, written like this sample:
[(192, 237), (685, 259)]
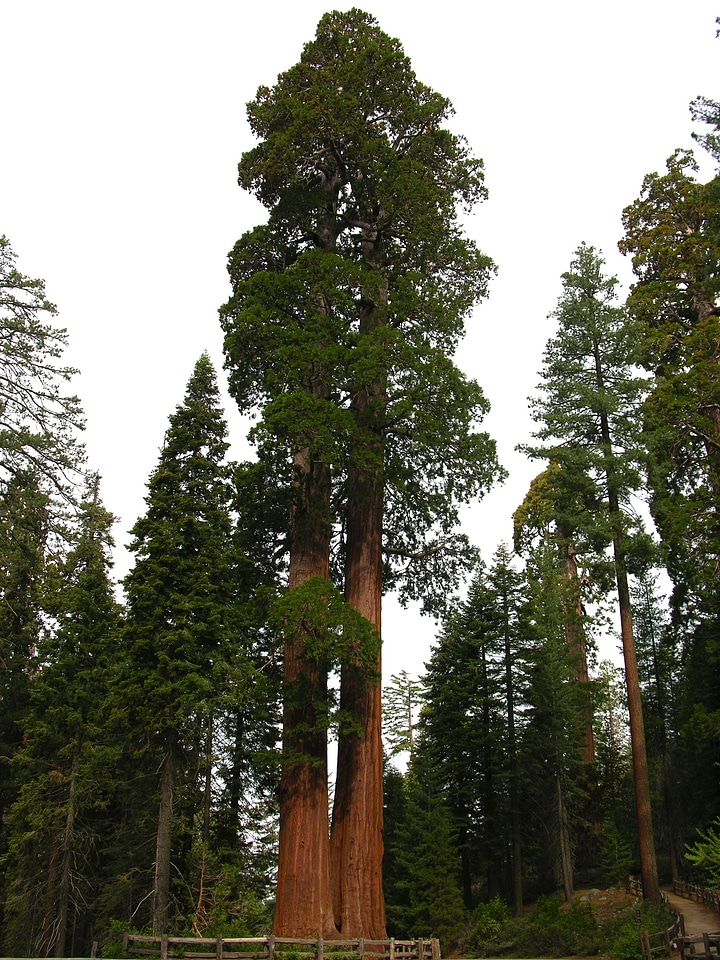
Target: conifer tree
[(57, 821), (552, 739), (179, 604), (672, 232), (587, 412), (469, 726), (401, 705), (24, 525), (347, 306), (39, 422)]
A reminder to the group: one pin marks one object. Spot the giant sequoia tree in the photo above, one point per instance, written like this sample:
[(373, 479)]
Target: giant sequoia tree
[(347, 307)]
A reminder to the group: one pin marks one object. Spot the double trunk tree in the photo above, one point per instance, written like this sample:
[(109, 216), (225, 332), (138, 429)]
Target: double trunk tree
[(587, 415), (346, 306)]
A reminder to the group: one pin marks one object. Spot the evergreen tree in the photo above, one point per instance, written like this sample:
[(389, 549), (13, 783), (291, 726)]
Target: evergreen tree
[(469, 728), (673, 234), (38, 421), (24, 524), (62, 769), (618, 836), (401, 704), (179, 621), (346, 308), (587, 413), (424, 898), (553, 736)]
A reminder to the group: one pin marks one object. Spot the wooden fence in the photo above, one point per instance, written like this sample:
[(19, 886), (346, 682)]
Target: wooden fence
[(662, 943), (277, 948), (710, 898)]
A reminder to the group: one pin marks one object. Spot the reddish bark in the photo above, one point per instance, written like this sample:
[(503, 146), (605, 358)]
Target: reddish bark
[(303, 898), (357, 824)]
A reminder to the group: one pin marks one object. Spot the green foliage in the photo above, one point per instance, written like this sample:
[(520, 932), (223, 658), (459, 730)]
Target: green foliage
[(401, 704), (334, 632), (420, 870), (553, 929), (616, 856), (40, 422), (705, 853), (349, 302)]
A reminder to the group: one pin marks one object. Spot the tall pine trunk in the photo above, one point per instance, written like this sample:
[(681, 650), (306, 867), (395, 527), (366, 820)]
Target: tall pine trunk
[(303, 897), (641, 778), (163, 841), (514, 785)]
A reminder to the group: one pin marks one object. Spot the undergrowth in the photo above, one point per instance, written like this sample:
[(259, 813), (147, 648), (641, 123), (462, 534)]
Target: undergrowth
[(555, 929)]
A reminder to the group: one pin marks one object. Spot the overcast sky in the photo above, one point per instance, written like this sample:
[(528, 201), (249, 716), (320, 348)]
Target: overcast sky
[(122, 126)]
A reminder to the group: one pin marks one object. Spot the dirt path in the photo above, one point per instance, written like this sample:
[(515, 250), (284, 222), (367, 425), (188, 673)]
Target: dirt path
[(698, 918)]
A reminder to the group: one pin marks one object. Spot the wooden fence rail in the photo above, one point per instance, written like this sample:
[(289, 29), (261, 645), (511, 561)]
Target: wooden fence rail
[(277, 948), (691, 891), (662, 943)]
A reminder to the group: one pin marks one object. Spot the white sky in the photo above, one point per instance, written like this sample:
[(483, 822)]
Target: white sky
[(123, 123)]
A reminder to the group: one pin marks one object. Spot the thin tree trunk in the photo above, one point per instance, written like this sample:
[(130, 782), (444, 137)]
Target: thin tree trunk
[(68, 847), (565, 854), (163, 845), (641, 779), (303, 897), (514, 792)]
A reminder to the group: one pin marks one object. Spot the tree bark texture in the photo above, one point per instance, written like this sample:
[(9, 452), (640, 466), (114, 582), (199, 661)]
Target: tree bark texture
[(641, 779), (357, 824), (163, 844), (303, 897)]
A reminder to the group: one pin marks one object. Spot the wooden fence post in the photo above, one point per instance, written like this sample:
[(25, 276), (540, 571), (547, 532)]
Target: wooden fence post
[(126, 937), (435, 944), (320, 948), (219, 947), (164, 947), (271, 946)]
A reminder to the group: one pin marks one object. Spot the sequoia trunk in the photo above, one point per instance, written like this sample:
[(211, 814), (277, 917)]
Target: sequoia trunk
[(357, 843), (303, 898)]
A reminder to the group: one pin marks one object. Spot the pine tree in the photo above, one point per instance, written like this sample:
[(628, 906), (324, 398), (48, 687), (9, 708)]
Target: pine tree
[(179, 605), (346, 308), (424, 898), (401, 705), (552, 743), (56, 822), (587, 414), (469, 728), (39, 423)]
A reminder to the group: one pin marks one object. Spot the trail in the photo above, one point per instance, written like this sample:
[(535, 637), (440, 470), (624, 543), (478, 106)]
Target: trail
[(698, 918)]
